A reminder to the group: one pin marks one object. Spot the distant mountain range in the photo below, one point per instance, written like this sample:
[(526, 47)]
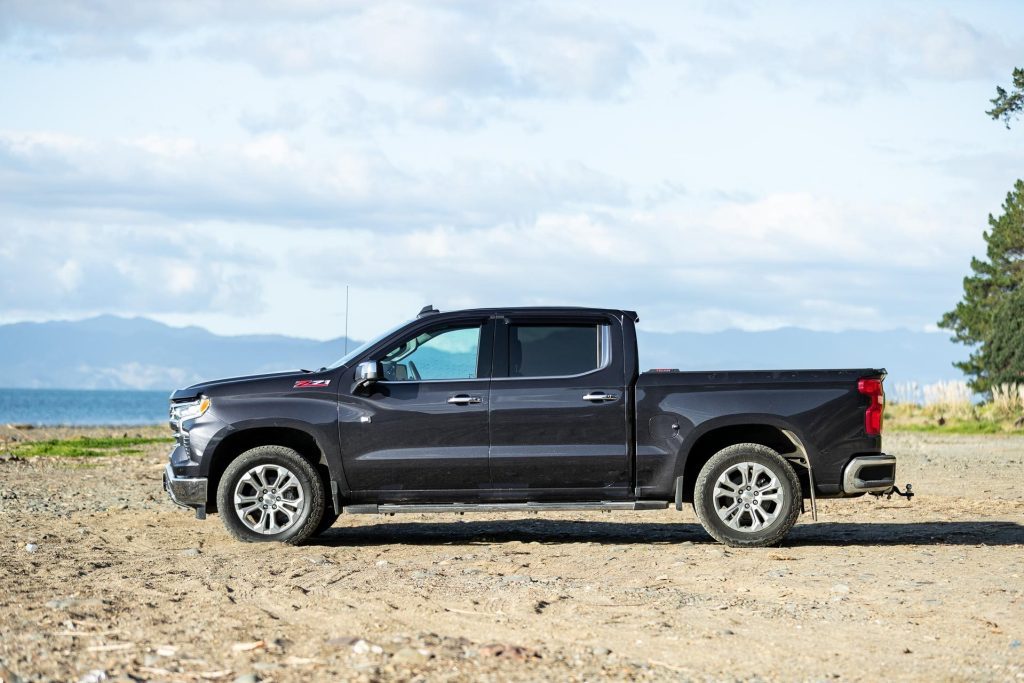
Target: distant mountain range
[(109, 352)]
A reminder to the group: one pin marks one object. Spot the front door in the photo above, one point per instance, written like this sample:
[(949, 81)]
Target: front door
[(558, 410), (420, 433)]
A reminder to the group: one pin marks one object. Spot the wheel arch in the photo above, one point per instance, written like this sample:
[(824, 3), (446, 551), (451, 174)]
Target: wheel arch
[(238, 441), (714, 438)]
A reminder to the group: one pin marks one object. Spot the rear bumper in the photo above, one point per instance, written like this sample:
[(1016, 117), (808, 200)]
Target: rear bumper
[(867, 473), (188, 492)]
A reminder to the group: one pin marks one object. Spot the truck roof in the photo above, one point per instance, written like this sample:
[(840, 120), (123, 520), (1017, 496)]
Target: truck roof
[(430, 310)]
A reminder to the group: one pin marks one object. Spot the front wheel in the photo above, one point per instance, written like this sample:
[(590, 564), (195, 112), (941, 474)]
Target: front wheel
[(747, 496), (271, 493)]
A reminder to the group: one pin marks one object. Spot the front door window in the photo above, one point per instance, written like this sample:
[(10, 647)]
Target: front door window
[(448, 353)]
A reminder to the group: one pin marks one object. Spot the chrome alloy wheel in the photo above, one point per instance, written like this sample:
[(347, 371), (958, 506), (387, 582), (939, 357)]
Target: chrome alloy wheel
[(268, 499), (748, 497)]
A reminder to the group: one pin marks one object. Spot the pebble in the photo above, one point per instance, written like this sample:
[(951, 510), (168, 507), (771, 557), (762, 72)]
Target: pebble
[(382, 563), (361, 647), (515, 578), (408, 655), (31, 547), (191, 552), (343, 641), (601, 651), (1014, 644), (840, 588), (94, 676), (246, 678), (8, 676)]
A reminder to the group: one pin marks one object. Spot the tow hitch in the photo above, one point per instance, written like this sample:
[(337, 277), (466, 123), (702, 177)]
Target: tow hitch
[(908, 493)]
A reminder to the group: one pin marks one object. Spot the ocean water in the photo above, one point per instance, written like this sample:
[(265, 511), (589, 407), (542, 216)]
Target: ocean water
[(82, 407)]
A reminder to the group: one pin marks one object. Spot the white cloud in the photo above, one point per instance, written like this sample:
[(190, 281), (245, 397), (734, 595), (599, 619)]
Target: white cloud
[(270, 177), (75, 268), (855, 56), (511, 49)]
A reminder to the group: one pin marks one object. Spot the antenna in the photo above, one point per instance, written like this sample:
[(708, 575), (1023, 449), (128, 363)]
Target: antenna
[(346, 320)]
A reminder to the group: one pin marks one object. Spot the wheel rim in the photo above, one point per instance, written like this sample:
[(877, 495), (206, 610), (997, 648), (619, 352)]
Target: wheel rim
[(748, 497), (269, 499)]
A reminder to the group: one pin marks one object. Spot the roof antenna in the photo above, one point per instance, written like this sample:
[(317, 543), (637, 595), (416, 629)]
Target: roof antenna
[(346, 320)]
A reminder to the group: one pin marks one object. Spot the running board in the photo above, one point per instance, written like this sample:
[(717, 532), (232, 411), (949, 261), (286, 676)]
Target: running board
[(392, 508)]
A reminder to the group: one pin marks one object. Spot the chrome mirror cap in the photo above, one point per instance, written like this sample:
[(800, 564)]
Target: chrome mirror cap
[(366, 372)]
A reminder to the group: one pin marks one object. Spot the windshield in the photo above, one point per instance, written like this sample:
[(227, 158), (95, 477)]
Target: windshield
[(355, 353)]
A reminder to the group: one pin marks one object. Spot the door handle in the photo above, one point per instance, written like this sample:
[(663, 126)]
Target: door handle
[(463, 399), (600, 396)]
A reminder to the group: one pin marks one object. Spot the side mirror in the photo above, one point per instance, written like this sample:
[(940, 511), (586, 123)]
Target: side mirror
[(367, 373)]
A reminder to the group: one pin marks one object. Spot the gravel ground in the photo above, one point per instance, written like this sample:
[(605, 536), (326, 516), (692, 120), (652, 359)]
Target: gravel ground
[(100, 576)]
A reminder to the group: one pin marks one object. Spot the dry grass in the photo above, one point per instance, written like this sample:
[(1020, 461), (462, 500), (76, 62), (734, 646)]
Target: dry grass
[(1007, 401), (950, 407)]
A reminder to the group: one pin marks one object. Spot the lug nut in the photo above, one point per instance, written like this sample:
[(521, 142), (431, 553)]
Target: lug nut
[(264, 507), (746, 506)]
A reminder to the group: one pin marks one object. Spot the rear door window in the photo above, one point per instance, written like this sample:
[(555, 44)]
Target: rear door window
[(541, 350)]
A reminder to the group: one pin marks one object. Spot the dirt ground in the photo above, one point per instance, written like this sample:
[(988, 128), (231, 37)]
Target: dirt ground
[(119, 583)]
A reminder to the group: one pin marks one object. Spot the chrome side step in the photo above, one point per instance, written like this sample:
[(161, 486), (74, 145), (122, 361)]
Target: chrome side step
[(392, 508)]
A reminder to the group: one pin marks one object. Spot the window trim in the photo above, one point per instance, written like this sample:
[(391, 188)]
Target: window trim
[(604, 347)]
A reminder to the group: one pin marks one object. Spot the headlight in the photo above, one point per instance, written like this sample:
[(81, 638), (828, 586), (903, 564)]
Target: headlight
[(190, 410)]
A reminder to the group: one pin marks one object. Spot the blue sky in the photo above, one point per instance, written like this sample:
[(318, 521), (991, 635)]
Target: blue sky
[(712, 165)]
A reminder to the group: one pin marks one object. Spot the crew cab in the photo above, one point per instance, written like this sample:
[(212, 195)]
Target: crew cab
[(523, 409)]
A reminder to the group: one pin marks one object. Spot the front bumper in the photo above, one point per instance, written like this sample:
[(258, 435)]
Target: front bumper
[(188, 492), (870, 473)]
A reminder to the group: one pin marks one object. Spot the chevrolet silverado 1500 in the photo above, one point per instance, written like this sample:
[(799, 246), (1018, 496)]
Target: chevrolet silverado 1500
[(523, 409)]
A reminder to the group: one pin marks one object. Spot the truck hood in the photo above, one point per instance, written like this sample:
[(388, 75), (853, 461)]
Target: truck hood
[(222, 386)]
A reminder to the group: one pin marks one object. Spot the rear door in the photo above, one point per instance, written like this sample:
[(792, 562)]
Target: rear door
[(558, 409)]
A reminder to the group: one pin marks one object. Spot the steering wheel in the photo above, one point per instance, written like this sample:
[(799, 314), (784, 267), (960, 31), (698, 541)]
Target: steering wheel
[(414, 371)]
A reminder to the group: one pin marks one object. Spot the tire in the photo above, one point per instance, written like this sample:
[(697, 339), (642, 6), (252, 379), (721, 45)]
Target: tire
[(770, 506), (296, 509)]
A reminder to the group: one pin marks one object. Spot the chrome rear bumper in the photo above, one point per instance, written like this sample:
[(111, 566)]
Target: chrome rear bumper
[(867, 473)]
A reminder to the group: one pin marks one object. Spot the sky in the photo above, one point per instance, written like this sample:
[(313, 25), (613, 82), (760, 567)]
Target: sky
[(712, 165)]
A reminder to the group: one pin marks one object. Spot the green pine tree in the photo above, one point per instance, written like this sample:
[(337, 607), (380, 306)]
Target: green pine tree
[(990, 317)]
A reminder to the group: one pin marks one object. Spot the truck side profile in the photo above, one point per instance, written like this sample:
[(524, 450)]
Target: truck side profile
[(514, 409)]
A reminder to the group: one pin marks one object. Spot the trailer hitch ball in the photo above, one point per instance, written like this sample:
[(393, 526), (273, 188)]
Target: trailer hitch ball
[(907, 492)]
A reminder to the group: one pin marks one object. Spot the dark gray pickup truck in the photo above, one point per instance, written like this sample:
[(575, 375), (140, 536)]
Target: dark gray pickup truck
[(523, 409)]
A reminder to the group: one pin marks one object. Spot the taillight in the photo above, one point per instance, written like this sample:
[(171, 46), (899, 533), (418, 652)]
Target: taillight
[(872, 388)]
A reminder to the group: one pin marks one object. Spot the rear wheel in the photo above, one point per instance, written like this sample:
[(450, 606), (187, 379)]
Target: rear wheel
[(747, 495), (271, 493)]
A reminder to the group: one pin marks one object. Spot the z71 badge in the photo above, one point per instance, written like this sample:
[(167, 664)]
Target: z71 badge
[(311, 383)]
